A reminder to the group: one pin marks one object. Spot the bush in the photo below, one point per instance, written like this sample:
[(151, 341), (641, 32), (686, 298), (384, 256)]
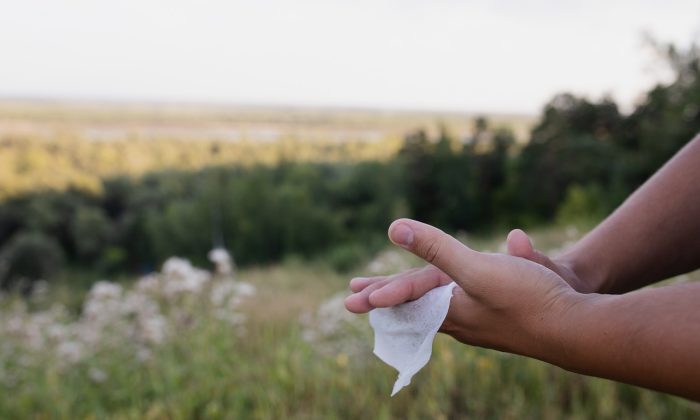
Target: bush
[(113, 260), (91, 231), (29, 256), (582, 205), (344, 258)]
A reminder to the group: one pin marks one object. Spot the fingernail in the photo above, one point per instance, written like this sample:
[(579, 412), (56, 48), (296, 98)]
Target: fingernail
[(356, 280), (402, 235)]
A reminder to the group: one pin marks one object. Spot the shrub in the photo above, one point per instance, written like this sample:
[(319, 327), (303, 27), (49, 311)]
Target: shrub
[(582, 204), (91, 232), (29, 256), (344, 258)]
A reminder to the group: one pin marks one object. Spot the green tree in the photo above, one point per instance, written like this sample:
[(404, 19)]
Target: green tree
[(91, 231), (27, 257)]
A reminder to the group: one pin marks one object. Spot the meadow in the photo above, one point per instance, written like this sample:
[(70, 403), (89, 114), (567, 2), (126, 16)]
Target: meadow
[(110, 308), (269, 342)]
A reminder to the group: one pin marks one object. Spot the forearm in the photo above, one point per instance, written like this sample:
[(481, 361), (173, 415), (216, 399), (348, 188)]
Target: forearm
[(653, 235), (648, 338)]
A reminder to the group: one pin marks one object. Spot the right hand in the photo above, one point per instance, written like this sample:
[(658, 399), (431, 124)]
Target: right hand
[(502, 302)]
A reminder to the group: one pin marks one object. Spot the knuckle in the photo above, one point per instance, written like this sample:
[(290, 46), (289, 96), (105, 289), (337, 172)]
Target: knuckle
[(431, 271), (432, 249), (410, 291)]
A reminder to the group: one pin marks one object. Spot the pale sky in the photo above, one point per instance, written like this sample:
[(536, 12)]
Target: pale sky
[(483, 56)]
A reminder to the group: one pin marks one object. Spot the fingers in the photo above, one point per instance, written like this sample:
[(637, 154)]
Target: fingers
[(441, 250), (449, 259), (359, 283), (520, 245), (359, 302), (410, 286), (382, 292)]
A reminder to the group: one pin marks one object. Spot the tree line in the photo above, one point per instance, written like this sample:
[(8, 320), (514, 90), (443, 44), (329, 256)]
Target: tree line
[(583, 158)]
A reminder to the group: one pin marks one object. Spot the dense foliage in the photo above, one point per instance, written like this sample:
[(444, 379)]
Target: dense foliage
[(32, 162), (583, 158)]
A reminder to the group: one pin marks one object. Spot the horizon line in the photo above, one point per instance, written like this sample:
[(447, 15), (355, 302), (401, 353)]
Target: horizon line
[(281, 106)]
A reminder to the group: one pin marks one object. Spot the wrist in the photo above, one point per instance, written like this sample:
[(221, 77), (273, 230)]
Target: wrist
[(565, 334), (593, 275)]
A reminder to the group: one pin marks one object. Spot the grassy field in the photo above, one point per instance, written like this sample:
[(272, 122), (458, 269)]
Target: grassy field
[(62, 145), (271, 342), (119, 120)]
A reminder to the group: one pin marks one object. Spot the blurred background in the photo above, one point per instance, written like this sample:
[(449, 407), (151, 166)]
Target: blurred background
[(186, 188)]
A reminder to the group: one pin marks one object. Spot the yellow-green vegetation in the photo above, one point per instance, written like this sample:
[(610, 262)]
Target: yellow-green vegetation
[(61, 145), (28, 164), (295, 354)]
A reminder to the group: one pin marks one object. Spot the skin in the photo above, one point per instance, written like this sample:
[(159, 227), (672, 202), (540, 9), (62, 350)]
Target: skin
[(568, 310)]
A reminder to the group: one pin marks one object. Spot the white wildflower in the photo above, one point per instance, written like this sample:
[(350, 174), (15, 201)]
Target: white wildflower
[(135, 319), (40, 290), (332, 314), (223, 262), (70, 351), (144, 354), (105, 290), (230, 293), (153, 329), (388, 261), (309, 335), (57, 332), (97, 375), (229, 317), (221, 291), (245, 289), (332, 328), (182, 277), (149, 284)]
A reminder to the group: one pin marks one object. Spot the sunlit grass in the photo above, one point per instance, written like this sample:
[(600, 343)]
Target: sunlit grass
[(300, 355)]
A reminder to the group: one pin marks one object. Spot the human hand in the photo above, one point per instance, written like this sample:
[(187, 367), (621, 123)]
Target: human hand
[(502, 302), (520, 245), (416, 282)]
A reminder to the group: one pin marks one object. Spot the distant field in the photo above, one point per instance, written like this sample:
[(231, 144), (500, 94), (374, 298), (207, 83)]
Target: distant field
[(192, 348), (114, 121), (52, 145)]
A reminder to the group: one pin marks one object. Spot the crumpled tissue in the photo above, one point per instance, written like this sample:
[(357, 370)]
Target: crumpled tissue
[(403, 334)]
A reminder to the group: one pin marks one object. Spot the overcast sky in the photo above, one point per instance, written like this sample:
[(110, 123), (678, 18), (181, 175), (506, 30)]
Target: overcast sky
[(507, 55)]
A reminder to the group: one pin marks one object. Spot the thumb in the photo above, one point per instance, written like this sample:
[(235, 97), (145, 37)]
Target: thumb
[(439, 249), (520, 245)]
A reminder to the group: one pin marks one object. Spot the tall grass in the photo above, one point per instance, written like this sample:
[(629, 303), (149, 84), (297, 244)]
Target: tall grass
[(298, 354)]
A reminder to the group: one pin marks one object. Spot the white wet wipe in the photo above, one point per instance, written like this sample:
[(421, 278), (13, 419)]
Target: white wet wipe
[(404, 334)]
